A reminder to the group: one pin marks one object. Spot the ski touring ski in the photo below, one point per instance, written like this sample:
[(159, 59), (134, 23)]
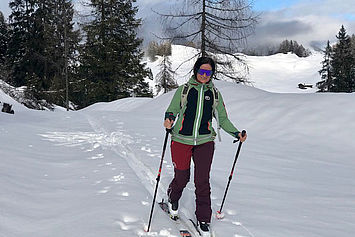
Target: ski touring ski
[(195, 225), (197, 229), (184, 231), (186, 226)]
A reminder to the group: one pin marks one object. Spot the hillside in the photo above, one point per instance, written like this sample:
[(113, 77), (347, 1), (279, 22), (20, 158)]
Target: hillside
[(280, 73)]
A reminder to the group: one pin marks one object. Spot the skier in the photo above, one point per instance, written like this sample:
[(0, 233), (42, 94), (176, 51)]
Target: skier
[(193, 136)]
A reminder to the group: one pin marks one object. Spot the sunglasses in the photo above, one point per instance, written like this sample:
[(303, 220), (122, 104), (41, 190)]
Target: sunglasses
[(203, 71)]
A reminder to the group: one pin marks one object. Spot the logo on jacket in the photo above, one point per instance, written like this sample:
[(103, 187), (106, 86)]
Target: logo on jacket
[(207, 97)]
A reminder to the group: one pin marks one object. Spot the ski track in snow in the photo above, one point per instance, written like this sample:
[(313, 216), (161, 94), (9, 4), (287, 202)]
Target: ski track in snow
[(143, 172), (119, 143)]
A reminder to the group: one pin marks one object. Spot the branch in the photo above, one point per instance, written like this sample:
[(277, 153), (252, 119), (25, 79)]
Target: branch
[(227, 10), (220, 34), (186, 62), (191, 18), (218, 49), (180, 15), (237, 79), (177, 37), (187, 36), (229, 19), (217, 23)]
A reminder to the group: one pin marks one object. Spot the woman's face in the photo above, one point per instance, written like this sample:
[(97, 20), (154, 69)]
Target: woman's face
[(204, 78)]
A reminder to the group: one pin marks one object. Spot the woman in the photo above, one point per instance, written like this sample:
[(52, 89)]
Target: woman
[(193, 136)]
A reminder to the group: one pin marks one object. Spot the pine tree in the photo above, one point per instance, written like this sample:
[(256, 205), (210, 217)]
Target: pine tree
[(284, 46), (353, 55), (111, 58), (36, 48), (342, 63), (293, 47), (165, 78), (326, 83), (21, 41), (62, 51), (3, 46), (352, 39)]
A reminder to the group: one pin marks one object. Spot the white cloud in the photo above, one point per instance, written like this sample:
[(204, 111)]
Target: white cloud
[(306, 22), (325, 7)]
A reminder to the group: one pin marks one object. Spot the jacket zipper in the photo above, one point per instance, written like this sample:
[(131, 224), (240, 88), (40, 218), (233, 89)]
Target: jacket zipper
[(198, 115)]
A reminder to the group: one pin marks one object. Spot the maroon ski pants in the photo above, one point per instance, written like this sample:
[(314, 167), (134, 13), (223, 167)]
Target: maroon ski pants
[(202, 156)]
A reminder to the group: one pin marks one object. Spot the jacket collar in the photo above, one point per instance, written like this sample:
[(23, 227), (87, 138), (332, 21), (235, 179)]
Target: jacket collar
[(194, 82)]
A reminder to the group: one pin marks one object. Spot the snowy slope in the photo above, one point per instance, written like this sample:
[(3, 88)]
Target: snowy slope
[(92, 172), (4, 98), (279, 73), (283, 72)]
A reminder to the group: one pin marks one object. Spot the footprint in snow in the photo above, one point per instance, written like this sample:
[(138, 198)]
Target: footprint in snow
[(98, 156), (130, 219), (123, 226), (143, 148), (105, 190), (237, 223), (117, 178), (231, 212), (124, 194)]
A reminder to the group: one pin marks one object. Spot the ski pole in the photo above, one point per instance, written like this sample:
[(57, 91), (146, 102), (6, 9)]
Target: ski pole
[(158, 177), (219, 213)]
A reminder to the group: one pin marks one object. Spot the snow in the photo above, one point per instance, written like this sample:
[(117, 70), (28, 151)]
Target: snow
[(92, 172), (283, 72), (280, 73), (4, 98)]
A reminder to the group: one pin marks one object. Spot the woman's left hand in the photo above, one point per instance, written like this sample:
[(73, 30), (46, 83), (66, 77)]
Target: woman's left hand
[(242, 139)]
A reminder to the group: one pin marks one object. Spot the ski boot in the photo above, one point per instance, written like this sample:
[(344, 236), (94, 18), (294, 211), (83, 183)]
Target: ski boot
[(204, 229), (173, 209)]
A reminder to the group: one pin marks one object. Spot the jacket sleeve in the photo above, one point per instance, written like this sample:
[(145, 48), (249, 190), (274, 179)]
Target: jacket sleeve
[(224, 121), (174, 107)]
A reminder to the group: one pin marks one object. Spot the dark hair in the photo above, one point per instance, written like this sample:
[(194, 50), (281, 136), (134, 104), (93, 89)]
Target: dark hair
[(204, 60)]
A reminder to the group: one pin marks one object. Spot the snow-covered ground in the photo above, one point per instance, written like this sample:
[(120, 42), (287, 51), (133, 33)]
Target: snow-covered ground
[(92, 172), (280, 73)]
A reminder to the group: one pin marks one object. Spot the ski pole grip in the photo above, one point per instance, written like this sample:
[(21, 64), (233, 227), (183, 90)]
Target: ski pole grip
[(243, 134), (169, 130)]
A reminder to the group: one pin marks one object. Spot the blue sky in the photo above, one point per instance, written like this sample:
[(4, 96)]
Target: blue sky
[(272, 5)]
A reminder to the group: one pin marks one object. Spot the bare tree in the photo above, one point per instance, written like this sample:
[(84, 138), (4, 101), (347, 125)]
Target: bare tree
[(219, 28)]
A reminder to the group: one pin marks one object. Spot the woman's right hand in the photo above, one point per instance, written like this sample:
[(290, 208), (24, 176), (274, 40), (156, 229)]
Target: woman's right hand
[(168, 123)]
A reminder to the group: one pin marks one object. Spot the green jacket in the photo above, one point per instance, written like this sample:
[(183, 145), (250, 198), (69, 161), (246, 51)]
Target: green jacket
[(194, 119)]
